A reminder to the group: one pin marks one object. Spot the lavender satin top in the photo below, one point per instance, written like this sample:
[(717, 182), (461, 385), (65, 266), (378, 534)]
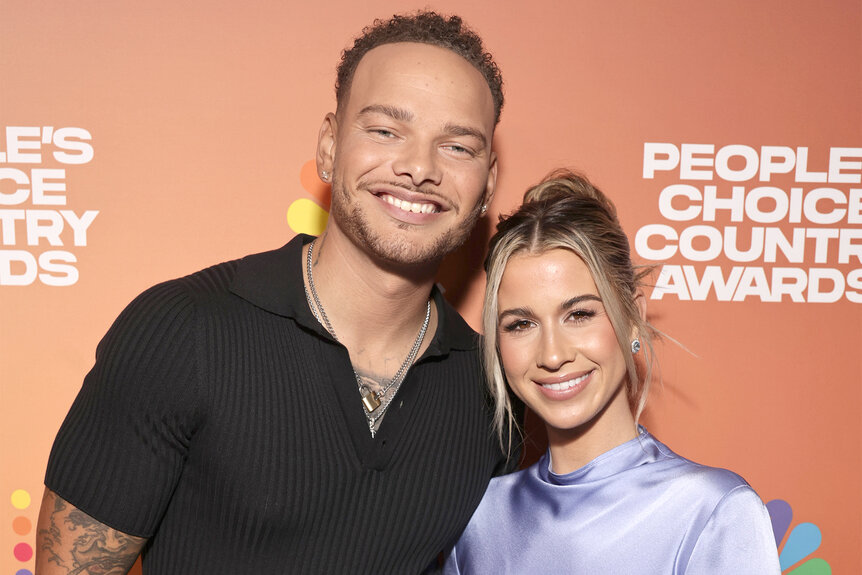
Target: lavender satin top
[(638, 508)]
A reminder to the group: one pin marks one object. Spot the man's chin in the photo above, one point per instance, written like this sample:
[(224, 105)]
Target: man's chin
[(407, 252), (401, 243)]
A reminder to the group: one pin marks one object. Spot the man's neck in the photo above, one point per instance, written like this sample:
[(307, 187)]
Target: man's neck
[(375, 309)]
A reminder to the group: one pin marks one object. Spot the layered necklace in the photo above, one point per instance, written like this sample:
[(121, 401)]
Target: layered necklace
[(374, 403)]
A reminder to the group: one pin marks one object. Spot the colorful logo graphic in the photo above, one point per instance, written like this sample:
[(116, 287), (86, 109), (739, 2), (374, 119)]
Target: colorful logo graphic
[(305, 216), (803, 540), (22, 526)]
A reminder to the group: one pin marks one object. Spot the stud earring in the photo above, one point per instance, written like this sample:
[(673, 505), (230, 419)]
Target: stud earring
[(636, 345), (324, 175), (484, 208)]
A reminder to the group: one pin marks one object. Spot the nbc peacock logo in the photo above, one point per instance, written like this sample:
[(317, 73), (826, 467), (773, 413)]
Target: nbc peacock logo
[(307, 216), (802, 541)]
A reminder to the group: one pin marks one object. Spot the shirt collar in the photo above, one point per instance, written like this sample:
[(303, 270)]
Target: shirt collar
[(268, 280)]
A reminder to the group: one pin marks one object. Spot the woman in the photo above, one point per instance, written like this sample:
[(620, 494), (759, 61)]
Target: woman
[(564, 321)]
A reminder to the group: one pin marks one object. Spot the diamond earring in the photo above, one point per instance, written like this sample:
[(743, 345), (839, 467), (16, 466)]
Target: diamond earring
[(636, 345)]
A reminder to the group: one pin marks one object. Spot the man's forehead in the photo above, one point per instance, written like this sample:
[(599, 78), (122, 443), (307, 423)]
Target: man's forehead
[(393, 70), (391, 49)]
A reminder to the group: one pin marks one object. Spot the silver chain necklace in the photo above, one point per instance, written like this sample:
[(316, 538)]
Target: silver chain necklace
[(371, 400)]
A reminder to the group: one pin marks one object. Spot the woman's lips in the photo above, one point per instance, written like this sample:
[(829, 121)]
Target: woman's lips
[(564, 386)]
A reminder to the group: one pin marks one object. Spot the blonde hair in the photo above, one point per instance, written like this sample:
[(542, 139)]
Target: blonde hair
[(566, 211)]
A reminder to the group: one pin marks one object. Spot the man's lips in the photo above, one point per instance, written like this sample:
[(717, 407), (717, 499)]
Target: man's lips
[(423, 207), (406, 199)]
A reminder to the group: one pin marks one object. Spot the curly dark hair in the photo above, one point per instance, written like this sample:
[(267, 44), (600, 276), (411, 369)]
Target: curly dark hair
[(425, 27)]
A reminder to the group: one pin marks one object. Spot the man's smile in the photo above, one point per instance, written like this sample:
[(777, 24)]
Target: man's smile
[(408, 206)]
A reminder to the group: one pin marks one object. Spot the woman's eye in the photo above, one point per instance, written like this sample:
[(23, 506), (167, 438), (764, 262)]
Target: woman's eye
[(518, 325), (581, 314)]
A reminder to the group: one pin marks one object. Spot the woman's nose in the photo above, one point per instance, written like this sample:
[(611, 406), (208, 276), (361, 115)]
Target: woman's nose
[(554, 351)]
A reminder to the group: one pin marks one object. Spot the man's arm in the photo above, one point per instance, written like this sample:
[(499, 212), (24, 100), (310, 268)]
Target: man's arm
[(70, 542)]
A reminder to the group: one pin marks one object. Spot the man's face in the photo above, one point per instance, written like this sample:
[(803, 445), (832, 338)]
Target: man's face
[(410, 153)]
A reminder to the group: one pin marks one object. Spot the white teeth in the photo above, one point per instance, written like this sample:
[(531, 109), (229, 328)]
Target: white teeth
[(566, 384), (416, 208)]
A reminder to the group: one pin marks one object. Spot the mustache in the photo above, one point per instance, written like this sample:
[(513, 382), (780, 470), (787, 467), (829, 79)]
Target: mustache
[(425, 190)]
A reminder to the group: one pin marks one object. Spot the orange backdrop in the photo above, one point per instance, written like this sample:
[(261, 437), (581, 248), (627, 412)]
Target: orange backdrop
[(140, 142)]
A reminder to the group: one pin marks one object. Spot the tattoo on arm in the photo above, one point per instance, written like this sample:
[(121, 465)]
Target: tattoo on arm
[(70, 542)]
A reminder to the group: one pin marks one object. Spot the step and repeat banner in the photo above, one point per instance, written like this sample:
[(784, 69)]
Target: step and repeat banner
[(141, 142)]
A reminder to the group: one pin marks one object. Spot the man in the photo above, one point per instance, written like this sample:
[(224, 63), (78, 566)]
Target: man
[(318, 408)]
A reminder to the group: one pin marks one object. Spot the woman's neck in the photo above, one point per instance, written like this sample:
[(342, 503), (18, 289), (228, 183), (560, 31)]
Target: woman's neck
[(571, 449)]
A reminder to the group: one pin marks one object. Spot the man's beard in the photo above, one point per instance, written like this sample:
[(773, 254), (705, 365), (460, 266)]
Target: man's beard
[(395, 249)]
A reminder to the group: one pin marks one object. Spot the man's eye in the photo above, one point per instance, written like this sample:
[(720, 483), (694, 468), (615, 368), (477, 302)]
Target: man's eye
[(458, 149), (383, 133)]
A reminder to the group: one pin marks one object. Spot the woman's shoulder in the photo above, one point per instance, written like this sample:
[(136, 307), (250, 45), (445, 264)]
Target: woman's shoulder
[(503, 493), (503, 485), (693, 478)]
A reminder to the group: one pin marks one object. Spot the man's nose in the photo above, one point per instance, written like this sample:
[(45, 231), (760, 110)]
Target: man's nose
[(420, 162)]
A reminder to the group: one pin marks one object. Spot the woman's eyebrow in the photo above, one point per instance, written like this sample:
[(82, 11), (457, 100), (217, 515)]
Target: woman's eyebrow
[(571, 302), (579, 299), (520, 311)]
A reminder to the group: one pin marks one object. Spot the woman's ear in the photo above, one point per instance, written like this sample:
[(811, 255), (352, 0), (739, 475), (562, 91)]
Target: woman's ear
[(640, 301)]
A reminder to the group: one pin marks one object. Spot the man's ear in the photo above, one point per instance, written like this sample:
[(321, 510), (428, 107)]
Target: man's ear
[(326, 143), (491, 185)]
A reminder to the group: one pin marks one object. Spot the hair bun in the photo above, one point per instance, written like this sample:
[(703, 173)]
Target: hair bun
[(563, 184)]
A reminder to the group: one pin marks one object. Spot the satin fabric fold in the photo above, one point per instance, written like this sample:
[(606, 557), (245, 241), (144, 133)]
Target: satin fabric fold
[(638, 508)]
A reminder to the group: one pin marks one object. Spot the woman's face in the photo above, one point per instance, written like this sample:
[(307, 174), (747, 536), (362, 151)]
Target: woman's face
[(557, 345)]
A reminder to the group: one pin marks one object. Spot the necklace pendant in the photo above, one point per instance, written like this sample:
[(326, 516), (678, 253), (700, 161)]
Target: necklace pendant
[(370, 401)]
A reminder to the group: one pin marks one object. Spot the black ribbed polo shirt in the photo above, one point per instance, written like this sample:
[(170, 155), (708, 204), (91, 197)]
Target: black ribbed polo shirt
[(221, 421)]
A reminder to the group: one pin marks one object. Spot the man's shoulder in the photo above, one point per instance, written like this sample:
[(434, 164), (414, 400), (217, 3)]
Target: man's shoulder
[(454, 331), (230, 282), (211, 279), (258, 268)]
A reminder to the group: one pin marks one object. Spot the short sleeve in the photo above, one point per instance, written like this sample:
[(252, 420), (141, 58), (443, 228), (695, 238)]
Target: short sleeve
[(120, 451), (737, 539)]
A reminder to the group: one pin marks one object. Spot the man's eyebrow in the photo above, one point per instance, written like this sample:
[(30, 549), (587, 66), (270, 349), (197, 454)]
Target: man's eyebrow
[(458, 130), (399, 114), (402, 115)]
